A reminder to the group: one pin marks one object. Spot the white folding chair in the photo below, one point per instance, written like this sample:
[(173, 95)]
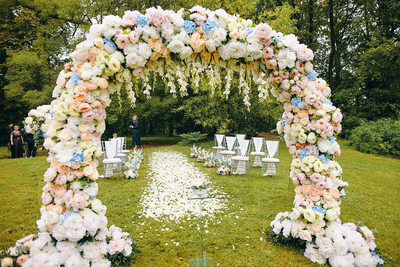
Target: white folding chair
[(124, 150), (111, 159), (120, 148), (229, 152), (270, 165), (238, 137), (257, 152), (241, 161), (219, 143)]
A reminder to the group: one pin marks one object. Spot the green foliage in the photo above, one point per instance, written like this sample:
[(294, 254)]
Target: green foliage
[(377, 137), (290, 242), (119, 259), (191, 138)]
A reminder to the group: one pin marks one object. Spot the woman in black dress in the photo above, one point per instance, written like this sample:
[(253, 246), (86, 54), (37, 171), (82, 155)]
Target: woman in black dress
[(134, 125), (17, 142)]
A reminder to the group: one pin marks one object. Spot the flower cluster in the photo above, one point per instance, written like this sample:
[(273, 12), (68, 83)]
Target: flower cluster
[(119, 242), (224, 167), (132, 164), (18, 254), (37, 121), (341, 244)]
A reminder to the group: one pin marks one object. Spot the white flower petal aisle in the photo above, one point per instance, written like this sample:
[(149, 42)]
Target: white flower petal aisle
[(167, 195)]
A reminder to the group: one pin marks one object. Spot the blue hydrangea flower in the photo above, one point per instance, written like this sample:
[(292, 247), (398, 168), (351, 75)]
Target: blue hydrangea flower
[(209, 26), (189, 26), (297, 102), (76, 158), (249, 31), (93, 197), (332, 139), (75, 78), (142, 20), (327, 101), (276, 40), (304, 153), (283, 122), (110, 43), (311, 75), (319, 209), (380, 260), (324, 158)]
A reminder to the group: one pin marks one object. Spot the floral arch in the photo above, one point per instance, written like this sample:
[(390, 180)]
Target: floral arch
[(182, 46)]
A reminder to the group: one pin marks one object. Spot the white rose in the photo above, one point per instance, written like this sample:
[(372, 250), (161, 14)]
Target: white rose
[(176, 46), (186, 52), (309, 215), (305, 235), (302, 138), (331, 214), (312, 138), (28, 120)]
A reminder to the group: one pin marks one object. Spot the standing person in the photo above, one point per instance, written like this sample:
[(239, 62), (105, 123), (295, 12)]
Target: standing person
[(30, 145), (10, 128), (25, 146), (134, 125), (17, 142)]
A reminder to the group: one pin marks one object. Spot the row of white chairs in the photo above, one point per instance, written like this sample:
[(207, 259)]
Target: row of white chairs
[(243, 153), (114, 155)]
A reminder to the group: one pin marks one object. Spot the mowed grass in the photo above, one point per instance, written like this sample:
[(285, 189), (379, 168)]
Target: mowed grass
[(373, 198)]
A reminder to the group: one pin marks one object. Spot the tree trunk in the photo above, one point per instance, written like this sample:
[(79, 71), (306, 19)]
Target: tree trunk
[(332, 53)]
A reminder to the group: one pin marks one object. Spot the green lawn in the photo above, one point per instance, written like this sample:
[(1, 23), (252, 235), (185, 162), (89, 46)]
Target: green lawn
[(373, 198)]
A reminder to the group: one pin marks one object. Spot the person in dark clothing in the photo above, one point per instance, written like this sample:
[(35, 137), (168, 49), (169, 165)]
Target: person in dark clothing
[(17, 142), (30, 145), (134, 125), (25, 146), (10, 128)]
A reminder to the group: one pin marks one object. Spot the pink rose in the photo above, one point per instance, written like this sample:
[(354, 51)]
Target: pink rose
[(321, 124), (302, 114), (122, 41), (301, 177), (287, 106), (130, 18), (278, 79), (61, 179), (82, 56), (50, 174), (292, 150), (310, 99), (337, 116), (137, 72), (293, 73), (288, 116), (60, 191), (296, 90), (7, 262), (285, 84), (300, 84), (78, 201), (304, 53), (268, 52), (271, 64), (46, 198), (263, 32), (115, 246), (90, 86), (299, 66), (158, 16), (133, 37), (316, 177), (294, 180), (284, 74), (60, 80)]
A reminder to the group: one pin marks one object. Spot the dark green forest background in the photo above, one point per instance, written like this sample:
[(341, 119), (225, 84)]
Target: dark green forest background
[(356, 46)]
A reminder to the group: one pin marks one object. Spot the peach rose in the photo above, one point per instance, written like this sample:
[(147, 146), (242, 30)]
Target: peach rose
[(22, 259), (84, 107), (197, 42), (7, 262), (298, 189), (55, 208), (335, 193), (302, 113), (271, 64), (96, 104), (90, 86), (86, 136), (313, 192), (81, 96), (102, 83), (327, 195)]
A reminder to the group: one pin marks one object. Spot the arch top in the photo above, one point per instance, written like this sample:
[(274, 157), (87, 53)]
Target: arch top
[(191, 42)]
